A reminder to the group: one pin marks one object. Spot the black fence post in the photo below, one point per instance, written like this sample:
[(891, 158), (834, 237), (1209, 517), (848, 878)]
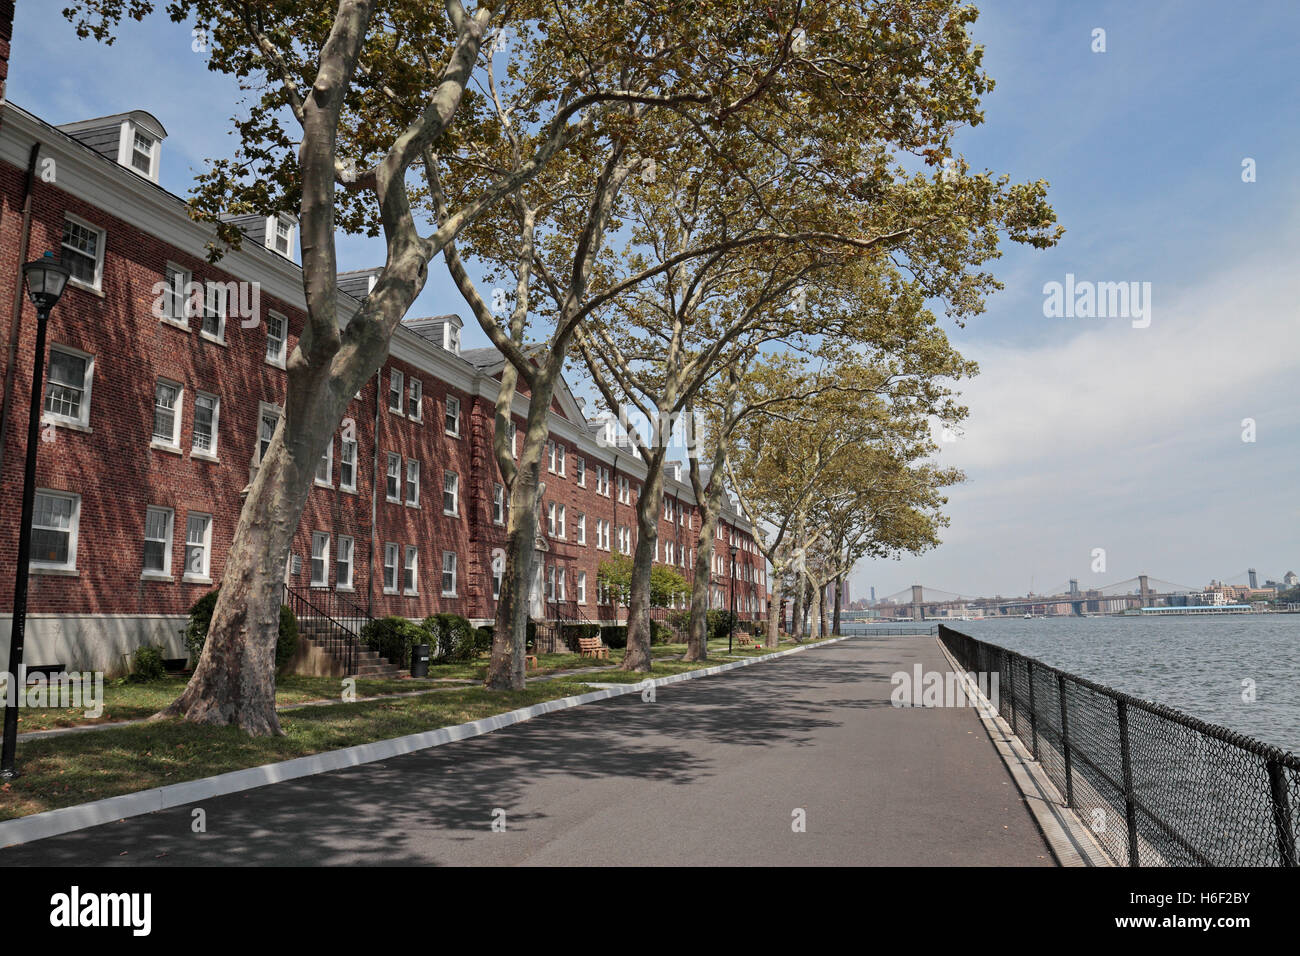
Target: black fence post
[(1065, 740), (1130, 808), (1009, 663), (1281, 814), (1033, 710)]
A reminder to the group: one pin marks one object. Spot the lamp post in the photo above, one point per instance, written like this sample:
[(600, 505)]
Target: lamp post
[(45, 279), (731, 632)]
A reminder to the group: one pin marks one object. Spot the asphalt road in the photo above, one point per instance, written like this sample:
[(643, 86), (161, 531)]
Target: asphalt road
[(712, 772)]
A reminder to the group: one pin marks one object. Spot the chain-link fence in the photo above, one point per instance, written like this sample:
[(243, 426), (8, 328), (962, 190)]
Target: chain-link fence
[(1157, 787)]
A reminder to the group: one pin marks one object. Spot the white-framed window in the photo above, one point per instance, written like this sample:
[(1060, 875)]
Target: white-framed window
[(168, 398), (550, 582), (325, 467), (268, 417), (277, 338), (393, 478), (343, 562), (580, 470), (580, 527), (391, 554), (582, 587), (410, 579), (158, 542), (412, 482), (142, 146), (348, 464), (213, 325), (83, 251), (668, 509), (625, 539), (559, 451), (514, 444), (67, 389), (320, 559), (550, 456), (668, 552), (279, 235), (561, 590), (207, 413), (564, 511), (498, 574), (177, 307), (395, 391), (449, 574), (498, 504), (450, 493), (624, 490), (550, 519), (198, 547), (415, 400), (451, 416), (56, 517)]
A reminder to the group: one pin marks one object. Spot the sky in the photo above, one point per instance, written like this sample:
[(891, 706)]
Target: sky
[(1115, 432)]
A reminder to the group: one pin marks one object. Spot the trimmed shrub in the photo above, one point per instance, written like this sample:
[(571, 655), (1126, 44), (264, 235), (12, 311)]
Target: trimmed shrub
[(614, 635), (719, 623), (393, 637), (196, 631), (660, 633), (147, 665), (452, 638)]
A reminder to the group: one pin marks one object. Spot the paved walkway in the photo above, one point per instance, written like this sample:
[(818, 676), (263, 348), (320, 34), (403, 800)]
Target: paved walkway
[(709, 773)]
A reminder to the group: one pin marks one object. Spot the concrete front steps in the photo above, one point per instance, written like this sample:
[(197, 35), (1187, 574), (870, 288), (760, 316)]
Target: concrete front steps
[(317, 658)]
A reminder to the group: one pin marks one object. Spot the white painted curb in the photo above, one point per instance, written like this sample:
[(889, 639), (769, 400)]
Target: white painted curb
[(50, 823)]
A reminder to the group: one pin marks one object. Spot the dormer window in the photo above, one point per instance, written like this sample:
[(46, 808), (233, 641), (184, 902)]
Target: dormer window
[(279, 234), (142, 153)]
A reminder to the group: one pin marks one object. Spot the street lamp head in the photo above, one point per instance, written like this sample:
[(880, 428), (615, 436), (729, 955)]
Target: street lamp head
[(46, 278), (734, 549)]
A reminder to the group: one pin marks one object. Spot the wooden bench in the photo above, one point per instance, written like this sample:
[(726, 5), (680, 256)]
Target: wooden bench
[(592, 647), (530, 660), (744, 639)]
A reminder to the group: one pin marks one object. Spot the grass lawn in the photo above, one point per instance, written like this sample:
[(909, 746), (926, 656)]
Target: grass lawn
[(124, 700), (76, 768)]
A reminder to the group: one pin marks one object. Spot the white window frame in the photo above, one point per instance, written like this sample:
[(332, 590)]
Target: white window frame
[(178, 299), (345, 557), (204, 576), (262, 409), (514, 436), (392, 551), (563, 525), (550, 519), (454, 491), (582, 587), (411, 567), (580, 470), (57, 418), (218, 293), (580, 523), (102, 236), (550, 456), (273, 224), (165, 572), (321, 538), (498, 572), (449, 416), (559, 450), (209, 453), (344, 445), (326, 459), (415, 396), (498, 503), (277, 360), (396, 387), (69, 566), (452, 592), (174, 443), (392, 471), (412, 498)]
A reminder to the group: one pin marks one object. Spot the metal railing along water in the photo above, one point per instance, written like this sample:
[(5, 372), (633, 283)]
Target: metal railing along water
[(1156, 786)]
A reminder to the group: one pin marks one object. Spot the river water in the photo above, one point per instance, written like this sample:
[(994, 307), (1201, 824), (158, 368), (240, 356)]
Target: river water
[(1196, 665)]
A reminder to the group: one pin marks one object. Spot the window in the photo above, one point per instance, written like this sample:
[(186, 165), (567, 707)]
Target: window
[(449, 574), (409, 580), (668, 509), (67, 396), (498, 573), (283, 237), (175, 297), (550, 456), (277, 335), (580, 471), (415, 400), (83, 251), (580, 522), (624, 539), (624, 489), (668, 552), (393, 486), (268, 419), (560, 578), (206, 413), (55, 519), (498, 504), (550, 519), (167, 414), (452, 416), (412, 482), (142, 153), (320, 559), (582, 587), (395, 391), (213, 325), (450, 493), (390, 568), (559, 449), (343, 563), (514, 446), (348, 464), (563, 515), (198, 541), (325, 467), (550, 583), (158, 542)]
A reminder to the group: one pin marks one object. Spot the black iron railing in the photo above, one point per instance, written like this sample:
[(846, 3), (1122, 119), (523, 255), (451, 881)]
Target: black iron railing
[(1156, 786), (330, 620)]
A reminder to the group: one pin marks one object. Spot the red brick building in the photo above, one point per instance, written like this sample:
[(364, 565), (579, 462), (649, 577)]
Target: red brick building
[(164, 377)]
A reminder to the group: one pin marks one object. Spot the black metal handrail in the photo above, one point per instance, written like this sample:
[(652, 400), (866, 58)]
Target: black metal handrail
[(1188, 792), (323, 606)]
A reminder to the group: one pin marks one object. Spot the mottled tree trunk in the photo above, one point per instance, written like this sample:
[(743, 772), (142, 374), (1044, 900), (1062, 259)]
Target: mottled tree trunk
[(774, 617), (648, 504), (839, 603)]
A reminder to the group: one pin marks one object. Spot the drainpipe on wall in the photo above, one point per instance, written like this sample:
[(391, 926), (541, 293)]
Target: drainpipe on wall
[(16, 316)]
